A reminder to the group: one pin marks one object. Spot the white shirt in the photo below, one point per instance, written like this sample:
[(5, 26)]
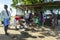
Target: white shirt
[(27, 15), (15, 22), (5, 15)]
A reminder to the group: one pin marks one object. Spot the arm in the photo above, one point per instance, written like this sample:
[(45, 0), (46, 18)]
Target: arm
[(2, 16), (9, 15)]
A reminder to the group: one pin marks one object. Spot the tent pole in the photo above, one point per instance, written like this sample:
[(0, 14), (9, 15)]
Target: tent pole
[(57, 17)]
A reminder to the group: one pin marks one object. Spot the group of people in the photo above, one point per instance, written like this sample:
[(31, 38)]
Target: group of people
[(33, 18), (39, 19), (36, 19)]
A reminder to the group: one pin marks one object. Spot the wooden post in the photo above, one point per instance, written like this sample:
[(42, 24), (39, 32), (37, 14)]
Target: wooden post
[(16, 10), (57, 17)]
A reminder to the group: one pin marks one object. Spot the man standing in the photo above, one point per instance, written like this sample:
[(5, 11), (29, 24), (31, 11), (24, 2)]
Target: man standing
[(27, 18), (53, 20), (5, 14)]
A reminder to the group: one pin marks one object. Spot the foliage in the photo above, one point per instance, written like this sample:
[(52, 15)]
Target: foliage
[(14, 2), (26, 2)]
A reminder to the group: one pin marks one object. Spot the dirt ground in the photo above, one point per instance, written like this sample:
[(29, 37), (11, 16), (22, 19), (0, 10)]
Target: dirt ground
[(37, 34), (26, 35)]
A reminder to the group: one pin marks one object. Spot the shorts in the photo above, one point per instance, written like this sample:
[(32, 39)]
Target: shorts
[(6, 22)]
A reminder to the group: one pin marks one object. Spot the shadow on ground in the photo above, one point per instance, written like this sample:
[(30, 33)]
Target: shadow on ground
[(21, 36)]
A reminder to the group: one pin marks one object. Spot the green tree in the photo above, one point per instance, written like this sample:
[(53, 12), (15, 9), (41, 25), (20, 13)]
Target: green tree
[(14, 2), (26, 2)]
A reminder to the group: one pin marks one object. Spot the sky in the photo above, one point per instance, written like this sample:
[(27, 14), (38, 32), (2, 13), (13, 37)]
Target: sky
[(7, 2), (3, 2)]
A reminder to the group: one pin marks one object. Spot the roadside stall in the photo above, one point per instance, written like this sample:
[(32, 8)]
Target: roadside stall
[(37, 8)]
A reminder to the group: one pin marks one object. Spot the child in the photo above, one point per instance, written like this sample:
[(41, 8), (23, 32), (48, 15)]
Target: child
[(16, 20), (15, 23), (22, 27), (36, 21)]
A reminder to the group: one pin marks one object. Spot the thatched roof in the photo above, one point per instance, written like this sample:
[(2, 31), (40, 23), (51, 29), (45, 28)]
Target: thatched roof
[(41, 5)]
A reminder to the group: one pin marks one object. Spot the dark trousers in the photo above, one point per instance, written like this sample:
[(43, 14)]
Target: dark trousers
[(27, 21), (5, 29)]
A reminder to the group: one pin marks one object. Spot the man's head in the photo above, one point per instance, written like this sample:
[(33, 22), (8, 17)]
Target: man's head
[(51, 11), (5, 6), (27, 11)]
